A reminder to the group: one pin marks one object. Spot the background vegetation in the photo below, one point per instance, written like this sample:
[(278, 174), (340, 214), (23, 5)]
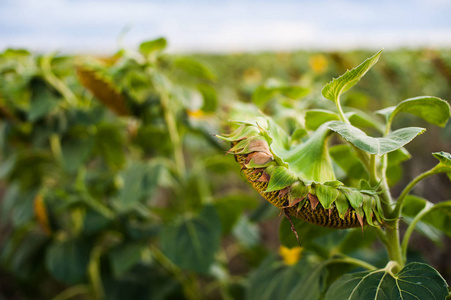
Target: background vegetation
[(114, 186)]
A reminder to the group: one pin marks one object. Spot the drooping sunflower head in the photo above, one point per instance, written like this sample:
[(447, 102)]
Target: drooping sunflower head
[(300, 177)]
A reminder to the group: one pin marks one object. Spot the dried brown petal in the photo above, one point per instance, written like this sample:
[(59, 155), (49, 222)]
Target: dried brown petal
[(264, 178), (259, 146), (259, 158), (313, 201), (284, 191), (360, 220), (294, 202), (257, 171)]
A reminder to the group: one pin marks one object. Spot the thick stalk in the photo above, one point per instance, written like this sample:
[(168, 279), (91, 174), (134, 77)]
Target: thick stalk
[(393, 244)]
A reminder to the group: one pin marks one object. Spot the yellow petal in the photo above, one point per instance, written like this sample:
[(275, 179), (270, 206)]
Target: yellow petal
[(40, 212), (318, 63), (290, 256)]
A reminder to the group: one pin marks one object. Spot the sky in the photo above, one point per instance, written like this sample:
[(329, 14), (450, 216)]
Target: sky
[(102, 26)]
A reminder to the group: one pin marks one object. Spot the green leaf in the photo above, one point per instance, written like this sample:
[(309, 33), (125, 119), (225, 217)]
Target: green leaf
[(339, 85), (281, 177), (262, 94), (316, 117), (140, 181), (42, 100), (443, 157), (210, 98), (76, 151), (431, 109), (379, 146), (109, 143), (194, 68), (360, 119), (192, 243), (414, 281), (150, 46), (355, 197), (326, 195), (293, 92), (309, 160), (445, 162), (67, 261)]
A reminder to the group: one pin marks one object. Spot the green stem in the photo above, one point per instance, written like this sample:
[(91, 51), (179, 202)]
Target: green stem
[(408, 188), (406, 238), (393, 244), (59, 85), (55, 146), (94, 272), (340, 112), (354, 261), (373, 170)]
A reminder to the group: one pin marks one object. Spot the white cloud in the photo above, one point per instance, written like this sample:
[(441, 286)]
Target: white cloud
[(224, 25)]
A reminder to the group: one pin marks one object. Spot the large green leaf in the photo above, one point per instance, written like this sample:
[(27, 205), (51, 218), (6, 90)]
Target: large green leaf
[(192, 243), (339, 85), (67, 260), (380, 146), (414, 281), (431, 109)]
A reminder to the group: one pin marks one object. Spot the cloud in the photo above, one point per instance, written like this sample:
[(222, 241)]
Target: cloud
[(71, 25)]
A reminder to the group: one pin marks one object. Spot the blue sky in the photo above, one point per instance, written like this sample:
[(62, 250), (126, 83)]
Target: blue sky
[(224, 26)]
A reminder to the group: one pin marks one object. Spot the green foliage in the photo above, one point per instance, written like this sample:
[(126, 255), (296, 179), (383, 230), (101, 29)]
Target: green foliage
[(379, 146), (114, 187)]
